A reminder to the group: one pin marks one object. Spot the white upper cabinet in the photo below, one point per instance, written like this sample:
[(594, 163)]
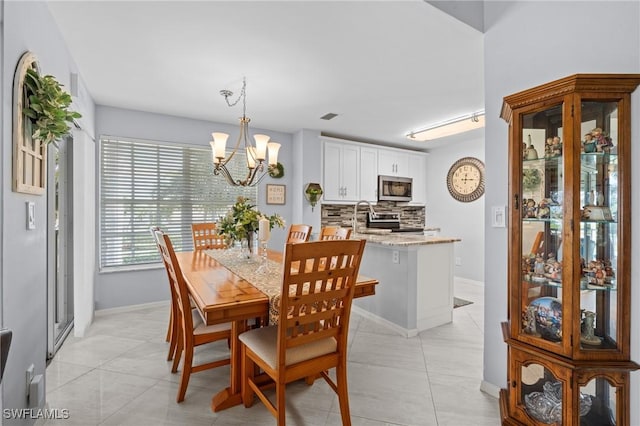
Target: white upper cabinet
[(369, 174), (351, 169), (418, 171), (393, 163), (341, 172)]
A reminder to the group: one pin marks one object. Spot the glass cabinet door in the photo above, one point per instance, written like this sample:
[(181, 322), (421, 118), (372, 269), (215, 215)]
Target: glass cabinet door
[(541, 225), (598, 225)]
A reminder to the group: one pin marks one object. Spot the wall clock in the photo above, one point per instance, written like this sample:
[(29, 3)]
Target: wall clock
[(465, 179)]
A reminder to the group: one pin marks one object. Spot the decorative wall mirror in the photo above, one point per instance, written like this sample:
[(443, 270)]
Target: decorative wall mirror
[(29, 155)]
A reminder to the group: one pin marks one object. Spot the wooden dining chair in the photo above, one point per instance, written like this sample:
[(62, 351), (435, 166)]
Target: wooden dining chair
[(205, 236), (299, 233), (171, 329), (191, 331), (311, 335), (334, 233)]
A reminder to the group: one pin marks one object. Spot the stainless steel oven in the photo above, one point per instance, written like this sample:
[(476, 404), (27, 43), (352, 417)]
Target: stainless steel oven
[(394, 188)]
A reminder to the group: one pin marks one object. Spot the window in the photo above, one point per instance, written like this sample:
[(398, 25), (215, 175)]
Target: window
[(145, 183)]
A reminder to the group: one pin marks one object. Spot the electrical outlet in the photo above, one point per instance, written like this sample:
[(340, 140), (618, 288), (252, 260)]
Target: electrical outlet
[(395, 256), (458, 261)]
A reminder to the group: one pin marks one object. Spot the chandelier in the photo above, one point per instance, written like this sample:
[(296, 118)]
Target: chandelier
[(256, 154)]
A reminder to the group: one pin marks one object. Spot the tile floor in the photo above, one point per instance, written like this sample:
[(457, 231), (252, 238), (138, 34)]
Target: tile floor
[(118, 375)]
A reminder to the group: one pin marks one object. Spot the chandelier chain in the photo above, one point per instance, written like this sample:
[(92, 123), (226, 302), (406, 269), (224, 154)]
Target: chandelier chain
[(242, 95)]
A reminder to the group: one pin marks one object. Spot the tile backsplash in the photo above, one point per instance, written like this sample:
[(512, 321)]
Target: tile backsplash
[(341, 214)]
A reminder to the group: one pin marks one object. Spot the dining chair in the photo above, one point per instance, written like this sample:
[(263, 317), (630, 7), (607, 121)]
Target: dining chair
[(334, 233), (205, 236), (299, 233), (191, 330), (171, 329), (311, 335)]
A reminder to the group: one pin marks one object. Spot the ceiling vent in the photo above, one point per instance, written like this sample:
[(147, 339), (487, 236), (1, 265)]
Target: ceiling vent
[(329, 116)]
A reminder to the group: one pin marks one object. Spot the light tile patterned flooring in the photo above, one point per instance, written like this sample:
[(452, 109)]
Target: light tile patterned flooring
[(118, 375)]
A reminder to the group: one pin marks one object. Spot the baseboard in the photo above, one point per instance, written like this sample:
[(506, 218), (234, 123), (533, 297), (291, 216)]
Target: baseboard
[(386, 323), (130, 308), (490, 389)]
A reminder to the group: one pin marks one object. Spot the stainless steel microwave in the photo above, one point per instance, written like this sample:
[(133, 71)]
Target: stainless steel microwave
[(394, 188)]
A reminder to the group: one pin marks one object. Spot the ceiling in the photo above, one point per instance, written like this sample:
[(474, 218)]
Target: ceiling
[(385, 67)]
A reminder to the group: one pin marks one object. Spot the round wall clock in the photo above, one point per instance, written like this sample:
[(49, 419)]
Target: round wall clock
[(465, 179)]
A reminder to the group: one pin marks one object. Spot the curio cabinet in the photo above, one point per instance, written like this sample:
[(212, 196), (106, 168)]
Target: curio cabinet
[(569, 252)]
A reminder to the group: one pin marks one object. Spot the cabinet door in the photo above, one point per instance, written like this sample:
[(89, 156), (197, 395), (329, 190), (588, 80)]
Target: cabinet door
[(332, 162), (402, 164), (369, 174), (350, 172), (418, 171), (543, 286), (601, 253), (386, 162)]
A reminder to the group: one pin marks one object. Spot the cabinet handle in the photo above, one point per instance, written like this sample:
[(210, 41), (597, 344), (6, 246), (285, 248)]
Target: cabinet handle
[(516, 202), (514, 384)]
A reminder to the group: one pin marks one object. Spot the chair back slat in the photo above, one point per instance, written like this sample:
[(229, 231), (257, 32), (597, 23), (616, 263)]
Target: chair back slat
[(299, 233), (334, 233), (206, 237), (317, 299)]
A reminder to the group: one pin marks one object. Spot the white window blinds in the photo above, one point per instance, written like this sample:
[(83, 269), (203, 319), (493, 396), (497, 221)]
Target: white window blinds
[(145, 183)]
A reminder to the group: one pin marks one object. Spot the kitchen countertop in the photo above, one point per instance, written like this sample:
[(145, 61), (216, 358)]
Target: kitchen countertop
[(386, 238)]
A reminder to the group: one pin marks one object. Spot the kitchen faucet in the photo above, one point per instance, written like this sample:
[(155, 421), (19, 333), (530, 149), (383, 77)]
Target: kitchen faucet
[(354, 221)]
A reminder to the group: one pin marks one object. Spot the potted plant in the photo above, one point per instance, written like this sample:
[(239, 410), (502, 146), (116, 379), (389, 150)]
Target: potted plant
[(242, 221), (47, 107), (312, 193)]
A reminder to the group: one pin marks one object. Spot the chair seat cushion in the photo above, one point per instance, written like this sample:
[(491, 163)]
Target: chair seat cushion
[(199, 327), (264, 342)]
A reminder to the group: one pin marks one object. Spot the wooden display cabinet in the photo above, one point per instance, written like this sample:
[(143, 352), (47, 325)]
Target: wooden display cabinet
[(569, 252)]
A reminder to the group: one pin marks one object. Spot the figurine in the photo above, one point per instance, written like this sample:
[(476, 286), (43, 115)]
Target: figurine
[(556, 147), (530, 210), (548, 148), (543, 209), (588, 145), (603, 142), (538, 266), (530, 321), (587, 335)]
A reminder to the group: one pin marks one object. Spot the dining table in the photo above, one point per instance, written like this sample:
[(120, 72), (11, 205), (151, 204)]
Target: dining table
[(227, 288)]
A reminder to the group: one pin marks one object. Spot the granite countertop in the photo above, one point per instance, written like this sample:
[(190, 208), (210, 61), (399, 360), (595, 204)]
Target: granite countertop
[(397, 239)]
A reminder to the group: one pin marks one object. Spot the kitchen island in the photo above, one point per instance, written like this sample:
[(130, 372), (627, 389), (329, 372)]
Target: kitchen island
[(415, 275)]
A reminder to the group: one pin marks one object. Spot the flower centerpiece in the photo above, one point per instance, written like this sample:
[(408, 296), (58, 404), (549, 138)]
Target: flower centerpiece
[(242, 222)]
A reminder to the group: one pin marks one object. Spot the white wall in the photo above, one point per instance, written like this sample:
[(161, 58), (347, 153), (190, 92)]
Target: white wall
[(531, 43), (124, 288), (26, 26), (456, 219)]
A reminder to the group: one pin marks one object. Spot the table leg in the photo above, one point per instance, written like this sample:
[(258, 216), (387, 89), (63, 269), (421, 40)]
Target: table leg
[(232, 395)]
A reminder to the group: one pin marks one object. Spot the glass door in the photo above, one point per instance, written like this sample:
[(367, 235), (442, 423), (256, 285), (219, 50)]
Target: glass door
[(59, 245)]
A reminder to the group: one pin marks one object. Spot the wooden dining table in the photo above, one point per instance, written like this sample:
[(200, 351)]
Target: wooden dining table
[(222, 296)]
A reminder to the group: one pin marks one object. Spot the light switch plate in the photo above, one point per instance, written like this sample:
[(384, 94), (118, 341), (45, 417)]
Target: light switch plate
[(31, 215), (498, 216)]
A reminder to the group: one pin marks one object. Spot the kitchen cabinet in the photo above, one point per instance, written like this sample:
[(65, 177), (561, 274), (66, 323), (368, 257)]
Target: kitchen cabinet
[(369, 174), (351, 169), (569, 261), (341, 172), (417, 167), (393, 163)]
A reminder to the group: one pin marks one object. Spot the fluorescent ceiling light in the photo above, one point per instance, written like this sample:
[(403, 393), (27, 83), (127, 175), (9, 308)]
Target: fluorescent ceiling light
[(449, 127)]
